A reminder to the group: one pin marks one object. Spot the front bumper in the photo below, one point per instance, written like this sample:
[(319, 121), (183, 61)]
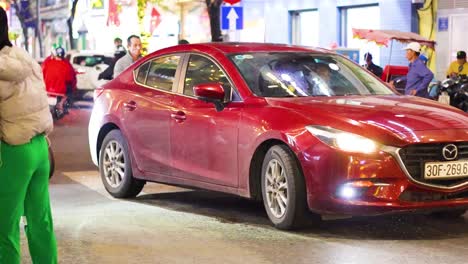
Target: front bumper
[(381, 181)]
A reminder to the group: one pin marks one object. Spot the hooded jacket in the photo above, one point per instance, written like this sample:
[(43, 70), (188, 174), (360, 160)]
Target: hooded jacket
[(24, 110), (59, 76)]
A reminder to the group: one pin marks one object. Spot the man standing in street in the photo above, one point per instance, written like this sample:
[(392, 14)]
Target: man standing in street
[(133, 54), (419, 76), (370, 66), (458, 67)]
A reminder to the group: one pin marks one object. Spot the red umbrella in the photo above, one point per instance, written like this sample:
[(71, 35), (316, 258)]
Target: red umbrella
[(382, 37)]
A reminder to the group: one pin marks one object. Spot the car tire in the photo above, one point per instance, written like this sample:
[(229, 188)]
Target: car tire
[(115, 167), (449, 214), (283, 188)]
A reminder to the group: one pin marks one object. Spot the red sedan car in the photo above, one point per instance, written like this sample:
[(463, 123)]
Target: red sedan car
[(303, 130)]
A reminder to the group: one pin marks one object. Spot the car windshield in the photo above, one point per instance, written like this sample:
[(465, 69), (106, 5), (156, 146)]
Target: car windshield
[(287, 74)]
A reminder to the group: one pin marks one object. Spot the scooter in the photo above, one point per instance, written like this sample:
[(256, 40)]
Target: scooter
[(54, 99), (457, 90)]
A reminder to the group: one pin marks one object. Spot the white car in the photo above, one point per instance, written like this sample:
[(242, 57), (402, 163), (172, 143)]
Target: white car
[(88, 65)]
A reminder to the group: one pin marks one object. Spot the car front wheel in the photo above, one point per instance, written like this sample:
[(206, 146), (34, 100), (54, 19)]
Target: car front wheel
[(283, 188), (115, 167)]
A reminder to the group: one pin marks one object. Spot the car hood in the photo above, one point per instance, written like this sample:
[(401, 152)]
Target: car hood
[(394, 115)]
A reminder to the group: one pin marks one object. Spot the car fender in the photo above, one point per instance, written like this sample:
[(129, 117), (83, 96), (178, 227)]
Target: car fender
[(260, 128)]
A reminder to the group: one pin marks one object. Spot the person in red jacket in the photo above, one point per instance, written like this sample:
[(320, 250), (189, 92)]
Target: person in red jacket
[(59, 76)]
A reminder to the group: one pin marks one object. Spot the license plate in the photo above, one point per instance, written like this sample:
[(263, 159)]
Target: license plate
[(52, 100), (446, 170)]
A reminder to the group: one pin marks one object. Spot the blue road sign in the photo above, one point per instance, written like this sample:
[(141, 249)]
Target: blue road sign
[(443, 24), (232, 17)]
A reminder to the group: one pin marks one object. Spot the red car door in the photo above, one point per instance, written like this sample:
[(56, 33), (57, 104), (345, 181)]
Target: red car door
[(147, 114), (204, 141)]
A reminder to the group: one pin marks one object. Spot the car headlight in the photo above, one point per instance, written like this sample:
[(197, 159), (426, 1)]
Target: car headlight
[(342, 140)]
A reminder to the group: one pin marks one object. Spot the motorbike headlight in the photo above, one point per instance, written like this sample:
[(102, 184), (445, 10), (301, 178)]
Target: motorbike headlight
[(342, 140)]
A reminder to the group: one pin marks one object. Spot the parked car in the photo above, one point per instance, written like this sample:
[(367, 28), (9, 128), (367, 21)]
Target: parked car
[(88, 65), (303, 130)]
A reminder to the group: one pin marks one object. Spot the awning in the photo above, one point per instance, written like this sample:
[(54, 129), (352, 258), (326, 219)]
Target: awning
[(383, 37)]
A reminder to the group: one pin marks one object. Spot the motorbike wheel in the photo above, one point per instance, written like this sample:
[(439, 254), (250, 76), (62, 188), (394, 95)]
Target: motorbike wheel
[(58, 114), (67, 105)]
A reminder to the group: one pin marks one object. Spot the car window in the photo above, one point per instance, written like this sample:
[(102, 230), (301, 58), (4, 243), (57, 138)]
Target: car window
[(88, 60), (79, 60), (141, 73), (162, 72), (203, 70), (107, 60)]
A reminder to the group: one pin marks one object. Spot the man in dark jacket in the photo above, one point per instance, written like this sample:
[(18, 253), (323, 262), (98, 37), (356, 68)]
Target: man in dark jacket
[(376, 70), (108, 73)]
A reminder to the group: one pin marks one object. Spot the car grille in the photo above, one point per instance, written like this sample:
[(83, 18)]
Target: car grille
[(415, 156), (412, 196)]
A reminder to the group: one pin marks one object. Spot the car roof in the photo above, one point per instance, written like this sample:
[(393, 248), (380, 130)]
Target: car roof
[(242, 47)]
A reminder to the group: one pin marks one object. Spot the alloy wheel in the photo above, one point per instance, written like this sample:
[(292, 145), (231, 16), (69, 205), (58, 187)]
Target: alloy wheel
[(276, 188), (114, 164)]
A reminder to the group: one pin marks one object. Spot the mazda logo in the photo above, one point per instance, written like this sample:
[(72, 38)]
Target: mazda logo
[(450, 152)]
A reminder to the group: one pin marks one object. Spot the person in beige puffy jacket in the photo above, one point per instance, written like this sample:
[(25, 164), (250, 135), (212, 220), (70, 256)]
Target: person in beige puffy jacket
[(25, 120)]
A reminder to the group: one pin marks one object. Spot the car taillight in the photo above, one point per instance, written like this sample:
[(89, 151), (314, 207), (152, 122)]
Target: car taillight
[(97, 92)]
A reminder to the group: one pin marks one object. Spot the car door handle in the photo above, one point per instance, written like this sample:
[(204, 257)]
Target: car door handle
[(179, 116), (130, 106)]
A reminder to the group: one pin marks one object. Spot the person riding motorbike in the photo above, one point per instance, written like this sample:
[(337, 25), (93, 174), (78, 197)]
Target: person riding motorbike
[(59, 78)]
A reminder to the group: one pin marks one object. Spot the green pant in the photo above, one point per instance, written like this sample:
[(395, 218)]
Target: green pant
[(24, 189)]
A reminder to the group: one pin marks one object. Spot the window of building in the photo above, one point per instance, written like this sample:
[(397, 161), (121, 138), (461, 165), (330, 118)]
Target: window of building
[(305, 28), (367, 17)]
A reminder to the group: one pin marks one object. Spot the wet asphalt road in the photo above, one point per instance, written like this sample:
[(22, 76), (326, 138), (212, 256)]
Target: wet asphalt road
[(167, 224)]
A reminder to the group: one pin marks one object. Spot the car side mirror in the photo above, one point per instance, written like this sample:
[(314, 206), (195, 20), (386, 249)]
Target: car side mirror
[(210, 92)]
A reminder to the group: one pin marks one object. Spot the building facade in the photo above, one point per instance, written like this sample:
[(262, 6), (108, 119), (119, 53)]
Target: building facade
[(452, 18), (328, 23)]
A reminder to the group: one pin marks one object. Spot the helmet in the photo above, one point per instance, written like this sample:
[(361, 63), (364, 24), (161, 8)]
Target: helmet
[(60, 52)]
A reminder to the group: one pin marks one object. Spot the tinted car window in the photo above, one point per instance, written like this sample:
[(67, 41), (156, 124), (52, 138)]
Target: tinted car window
[(305, 74), (203, 70), (142, 71), (162, 72), (90, 60)]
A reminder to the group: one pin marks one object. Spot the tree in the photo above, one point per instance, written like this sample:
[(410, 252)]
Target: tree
[(145, 35), (214, 14), (70, 24), (141, 8)]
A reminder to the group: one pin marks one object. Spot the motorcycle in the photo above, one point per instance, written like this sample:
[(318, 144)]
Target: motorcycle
[(54, 100), (457, 91)]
